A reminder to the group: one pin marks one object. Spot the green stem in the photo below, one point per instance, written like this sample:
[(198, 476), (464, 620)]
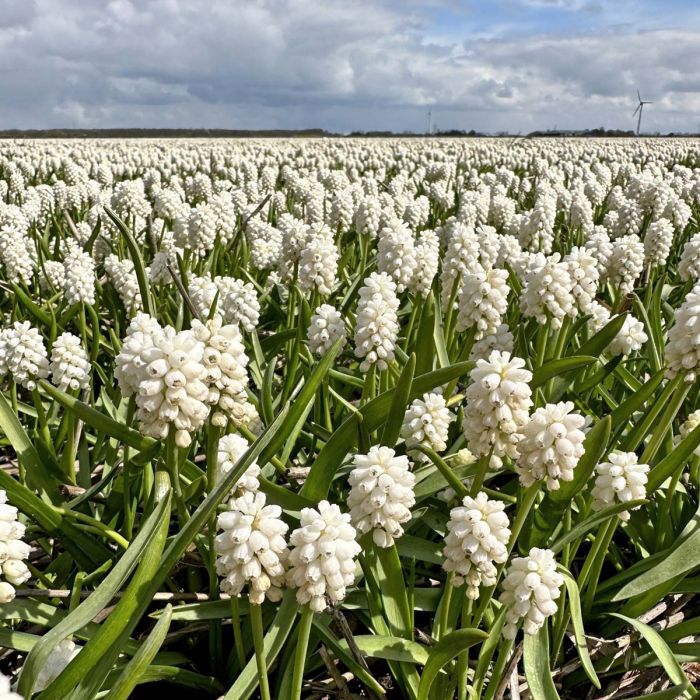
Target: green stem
[(594, 561), (237, 633), (256, 625), (463, 660), (498, 668), (307, 617)]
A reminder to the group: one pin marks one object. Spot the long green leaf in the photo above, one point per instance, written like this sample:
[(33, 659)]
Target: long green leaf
[(536, 663), (556, 368), (443, 652), (402, 392)]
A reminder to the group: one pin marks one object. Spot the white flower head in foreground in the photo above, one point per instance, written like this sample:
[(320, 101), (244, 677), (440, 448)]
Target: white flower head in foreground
[(322, 558), (690, 423), (427, 422), (497, 406), (79, 276), (377, 326), (326, 327), (529, 591), (13, 551), (483, 301), (61, 655), (230, 449), (683, 343), (381, 494), (629, 338), (6, 692), (551, 446), (477, 539), (172, 388), (621, 479), (251, 548), (70, 367), (23, 354), (225, 362)]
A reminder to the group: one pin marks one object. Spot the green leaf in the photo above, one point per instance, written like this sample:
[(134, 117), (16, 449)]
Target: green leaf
[(536, 663), (388, 575), (673, 461), (139, 267), (425, 344), (36, 311), (390, 648), (586, 525), (402, 392), (625, 410), (139, 663), (683, 556), (86, 673), (93, 604), (579, 633), (595, 345), (663, 653), (443, 652), (556, 368)]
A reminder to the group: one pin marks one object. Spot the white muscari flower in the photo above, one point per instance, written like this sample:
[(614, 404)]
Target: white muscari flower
[(238, 302), (626, 262), (396, 254), (225, 362), (23, 354), (318, 264), (477, 539), (687, 427), (130, 363), (377, 326), (381, 494), (123, 277), (629, 338), (547, 294), (53, 276), (683, 343), (427, 422), (689, 264), (501, 339), (621, 479), (322, 558), (326, 327), (79, 279), (230, 449), (252, 549), (599, 245), (70, 366), (172, 389), (13, 551), (583, 268), (498, 402), (657, 243), (551, 445), (483, 300), (530, 590), (428, 261)]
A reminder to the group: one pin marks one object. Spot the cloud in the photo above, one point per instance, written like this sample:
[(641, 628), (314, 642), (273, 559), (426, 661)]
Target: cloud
[(342, 66)]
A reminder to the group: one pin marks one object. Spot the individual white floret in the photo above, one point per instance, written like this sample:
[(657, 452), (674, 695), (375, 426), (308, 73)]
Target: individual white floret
[(61, 655)]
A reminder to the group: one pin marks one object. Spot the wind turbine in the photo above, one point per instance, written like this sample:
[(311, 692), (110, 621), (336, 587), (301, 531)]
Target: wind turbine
[(640, 109)]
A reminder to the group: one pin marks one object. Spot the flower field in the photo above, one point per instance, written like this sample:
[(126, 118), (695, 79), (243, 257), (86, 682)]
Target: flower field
[(350, 418)]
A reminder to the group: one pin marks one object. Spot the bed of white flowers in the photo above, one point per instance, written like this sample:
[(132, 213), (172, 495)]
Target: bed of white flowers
[(350, 418)]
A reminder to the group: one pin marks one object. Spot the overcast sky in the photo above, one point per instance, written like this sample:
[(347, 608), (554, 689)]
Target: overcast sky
[(345, 65)]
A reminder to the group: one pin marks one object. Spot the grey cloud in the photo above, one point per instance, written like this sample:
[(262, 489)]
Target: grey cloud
[(342, 66)]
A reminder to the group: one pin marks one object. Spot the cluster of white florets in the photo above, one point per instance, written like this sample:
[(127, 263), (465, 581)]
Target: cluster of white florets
[(322, 557), (530, 590), (621, 479), (327, 326), (477, 539), (498, 402), (548, 292), (70, 366), (683, 343), (230, 449), (381, 494), (225, 362), (483, 301), (427, 422), (551, 445), (13, 551), (23, 354), (377, 326), (252, 549)]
